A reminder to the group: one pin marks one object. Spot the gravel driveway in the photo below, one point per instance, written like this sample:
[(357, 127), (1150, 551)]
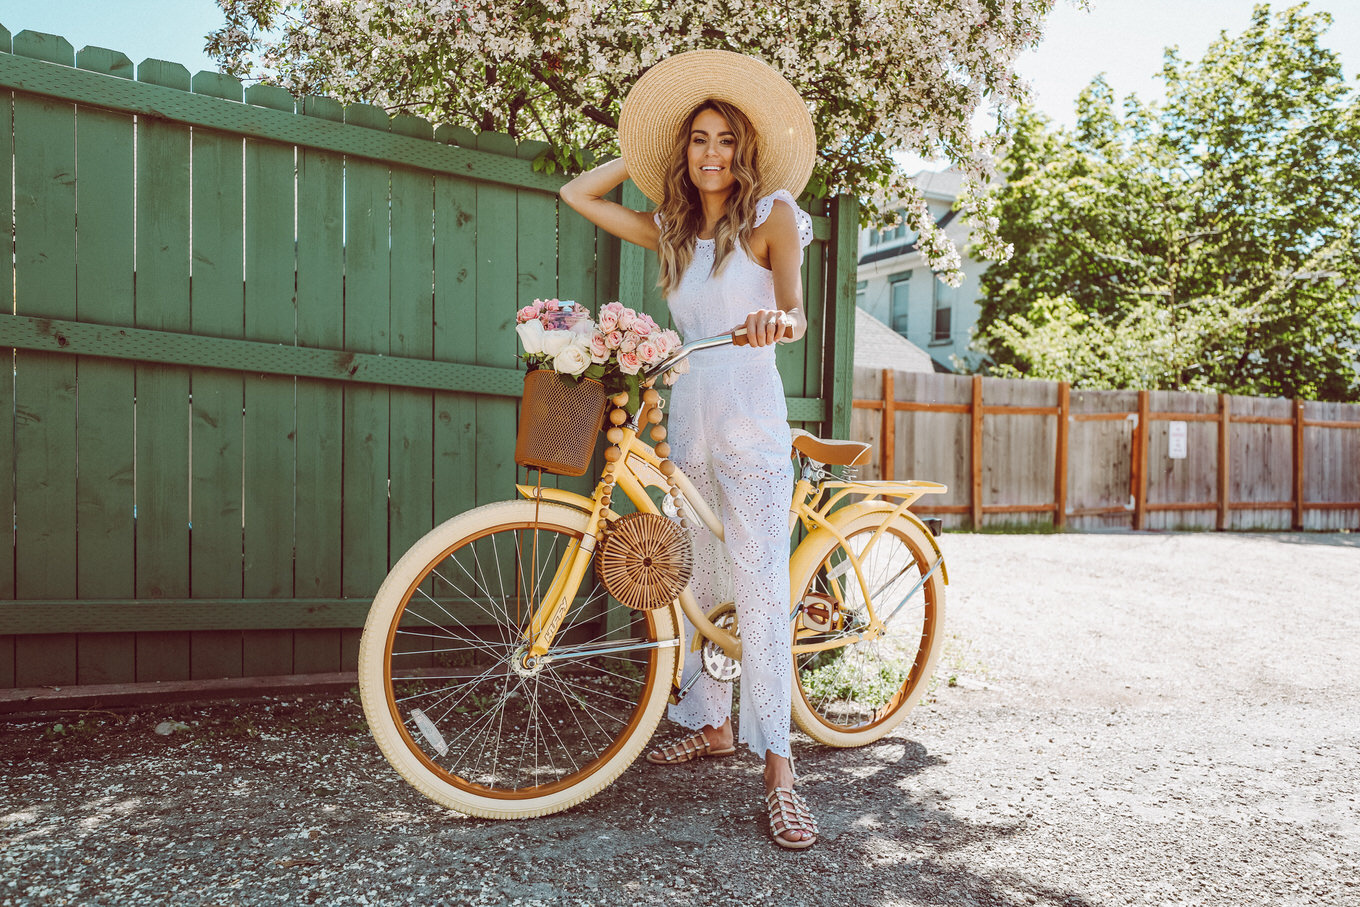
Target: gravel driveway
[(1130, 718)]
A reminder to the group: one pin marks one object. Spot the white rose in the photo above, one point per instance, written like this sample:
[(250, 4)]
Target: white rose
[(573, 359), (555, 341), (531, 335)]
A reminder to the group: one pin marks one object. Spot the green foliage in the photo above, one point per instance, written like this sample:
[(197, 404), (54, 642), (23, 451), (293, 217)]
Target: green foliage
[(1208, 242)]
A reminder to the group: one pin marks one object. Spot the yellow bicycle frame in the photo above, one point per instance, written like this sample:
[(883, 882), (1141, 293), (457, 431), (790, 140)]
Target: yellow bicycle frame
[(639, 468)]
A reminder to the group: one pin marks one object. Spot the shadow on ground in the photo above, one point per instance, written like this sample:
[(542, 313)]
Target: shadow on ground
[(291, 802)]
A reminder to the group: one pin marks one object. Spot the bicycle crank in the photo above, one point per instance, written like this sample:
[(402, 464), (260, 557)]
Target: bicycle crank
[(716, 662)]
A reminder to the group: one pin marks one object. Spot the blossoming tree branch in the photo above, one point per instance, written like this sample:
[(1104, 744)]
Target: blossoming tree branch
[(883, 78)]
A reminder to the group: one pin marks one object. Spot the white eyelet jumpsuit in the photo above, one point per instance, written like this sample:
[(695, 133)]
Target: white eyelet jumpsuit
[(729, 432)]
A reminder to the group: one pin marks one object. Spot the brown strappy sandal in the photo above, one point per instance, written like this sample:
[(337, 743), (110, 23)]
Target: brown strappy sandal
[(788, 812), (685, 750)]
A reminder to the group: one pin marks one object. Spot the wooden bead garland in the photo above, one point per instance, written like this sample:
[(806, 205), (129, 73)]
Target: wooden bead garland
[(652, 414)]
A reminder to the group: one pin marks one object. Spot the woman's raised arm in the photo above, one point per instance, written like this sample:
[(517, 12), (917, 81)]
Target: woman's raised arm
[(586, 194)]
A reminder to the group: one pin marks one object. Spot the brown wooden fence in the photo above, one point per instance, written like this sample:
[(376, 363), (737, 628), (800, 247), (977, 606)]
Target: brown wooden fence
[(1037, 452)]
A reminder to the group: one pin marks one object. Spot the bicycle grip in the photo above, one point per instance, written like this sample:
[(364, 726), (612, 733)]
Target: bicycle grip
[(739, 337)]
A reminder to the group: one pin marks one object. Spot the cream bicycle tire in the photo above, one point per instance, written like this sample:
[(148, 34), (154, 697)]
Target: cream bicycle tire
[(414, 753), (812, 705)]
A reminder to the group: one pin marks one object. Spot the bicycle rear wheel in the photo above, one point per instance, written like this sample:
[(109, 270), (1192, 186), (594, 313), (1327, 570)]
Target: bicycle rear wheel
[(446, 688), (848, 692)]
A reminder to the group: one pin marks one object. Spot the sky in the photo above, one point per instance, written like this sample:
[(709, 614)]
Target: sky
[(1122, 38)]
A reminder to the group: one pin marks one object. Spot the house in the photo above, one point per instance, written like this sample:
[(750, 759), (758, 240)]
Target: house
[(879, 346), (896, 287)]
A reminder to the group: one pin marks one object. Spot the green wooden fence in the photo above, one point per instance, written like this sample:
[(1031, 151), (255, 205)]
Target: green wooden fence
[(260, 345)]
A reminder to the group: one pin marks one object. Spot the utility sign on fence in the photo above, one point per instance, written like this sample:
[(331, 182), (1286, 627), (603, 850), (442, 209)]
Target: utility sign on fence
[(1175, 439)]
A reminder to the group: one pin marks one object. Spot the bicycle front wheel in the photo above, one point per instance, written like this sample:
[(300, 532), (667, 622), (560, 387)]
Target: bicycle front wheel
[(853, 688), (450, 697)]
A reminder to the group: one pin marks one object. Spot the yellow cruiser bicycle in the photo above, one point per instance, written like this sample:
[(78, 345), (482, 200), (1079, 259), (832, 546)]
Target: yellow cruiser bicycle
[(501, 678)]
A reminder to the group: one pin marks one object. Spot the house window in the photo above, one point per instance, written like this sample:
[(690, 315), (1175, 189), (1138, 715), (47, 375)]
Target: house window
[(900, 299), (861, 293), (943, 310)]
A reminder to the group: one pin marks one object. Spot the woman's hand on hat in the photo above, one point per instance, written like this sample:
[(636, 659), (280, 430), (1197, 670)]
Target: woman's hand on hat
[(767, 326)]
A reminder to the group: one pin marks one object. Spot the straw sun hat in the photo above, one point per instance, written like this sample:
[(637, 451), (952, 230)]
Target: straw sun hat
[(659, 102)]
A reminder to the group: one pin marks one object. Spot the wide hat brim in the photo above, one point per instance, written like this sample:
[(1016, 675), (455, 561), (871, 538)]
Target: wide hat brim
[(659, 102)]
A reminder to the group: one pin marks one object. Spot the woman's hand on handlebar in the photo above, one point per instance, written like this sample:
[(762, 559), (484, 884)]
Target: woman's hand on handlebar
[(764, 327)]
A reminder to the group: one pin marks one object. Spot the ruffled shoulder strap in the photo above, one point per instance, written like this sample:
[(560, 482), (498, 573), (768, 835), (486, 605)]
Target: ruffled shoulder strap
[(804, 221)]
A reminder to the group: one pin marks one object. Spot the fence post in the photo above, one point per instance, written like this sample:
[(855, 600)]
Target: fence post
[(838, 363), (975, 418), (1060, 464), (888, 436), (1298, 464), (1139, 460), (1224, 420)]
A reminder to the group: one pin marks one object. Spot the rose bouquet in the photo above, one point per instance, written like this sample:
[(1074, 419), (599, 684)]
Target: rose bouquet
[(613, 350)]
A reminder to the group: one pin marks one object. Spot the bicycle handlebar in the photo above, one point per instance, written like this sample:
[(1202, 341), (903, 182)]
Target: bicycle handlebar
[(694, 346)]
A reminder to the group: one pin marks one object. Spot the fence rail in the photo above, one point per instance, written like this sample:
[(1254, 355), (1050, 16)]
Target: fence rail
[(1246, 460)]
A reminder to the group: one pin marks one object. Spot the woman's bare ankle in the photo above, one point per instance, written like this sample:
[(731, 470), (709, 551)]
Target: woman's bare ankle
[(719, 737), (778, 772)]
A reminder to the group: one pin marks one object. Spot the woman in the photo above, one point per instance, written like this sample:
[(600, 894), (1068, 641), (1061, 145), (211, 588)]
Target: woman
[(724, 145)]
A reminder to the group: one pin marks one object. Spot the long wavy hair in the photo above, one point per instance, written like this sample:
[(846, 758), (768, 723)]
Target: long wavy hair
[(682, 215)]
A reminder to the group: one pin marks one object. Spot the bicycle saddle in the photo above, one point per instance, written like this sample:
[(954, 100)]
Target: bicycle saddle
[(830, 452)]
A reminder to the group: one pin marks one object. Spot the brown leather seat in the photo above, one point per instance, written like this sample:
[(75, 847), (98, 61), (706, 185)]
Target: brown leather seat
[(830, 453)]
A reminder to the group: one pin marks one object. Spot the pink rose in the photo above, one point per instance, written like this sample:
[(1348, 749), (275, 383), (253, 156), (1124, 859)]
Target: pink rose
[(626, 319), (528, 313), (648, 351), (630, 341), (629, 362), (599, 349), (644, 325), (612, 339)]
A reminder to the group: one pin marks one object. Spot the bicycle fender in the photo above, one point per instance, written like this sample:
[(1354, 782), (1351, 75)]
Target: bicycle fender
[(556, 495), (857, 510)]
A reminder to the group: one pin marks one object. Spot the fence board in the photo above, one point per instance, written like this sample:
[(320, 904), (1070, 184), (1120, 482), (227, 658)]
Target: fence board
[(497, 267), (1332, 457), (411, 437), (45, 659), (934, 446), (1104, 448), (320, 404), (367, 287), (270, 314), (1192, 480), (45, 384), (1018, 450), (7, 647), (216, 309), (577, 278), (455, 340), (106, 451), (162, 292), (1262, 456), (7, 377), (106, 657)]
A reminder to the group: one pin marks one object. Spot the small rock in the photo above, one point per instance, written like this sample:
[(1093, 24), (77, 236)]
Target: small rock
[(166, 728)]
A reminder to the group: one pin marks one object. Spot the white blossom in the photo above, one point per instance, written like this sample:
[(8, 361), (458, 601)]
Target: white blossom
[(880, 77)]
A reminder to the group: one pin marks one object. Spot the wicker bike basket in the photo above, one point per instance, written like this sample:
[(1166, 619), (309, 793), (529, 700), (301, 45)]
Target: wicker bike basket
[(559, 421)]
